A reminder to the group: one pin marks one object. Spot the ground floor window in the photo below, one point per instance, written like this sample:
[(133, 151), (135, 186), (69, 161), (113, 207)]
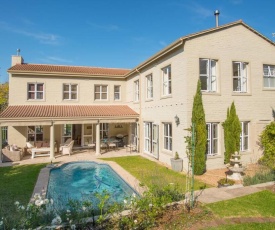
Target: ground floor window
[(244, 136), (104, 130), (4, 131), (148, 137), (66, 132), (35, 133), (212, 139), (167, 136)]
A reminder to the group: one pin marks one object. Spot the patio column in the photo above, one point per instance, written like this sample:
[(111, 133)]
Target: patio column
[(97, 145), (52, 144), (0, 144)]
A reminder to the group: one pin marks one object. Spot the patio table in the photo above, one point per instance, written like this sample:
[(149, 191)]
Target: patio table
[(41, 152)]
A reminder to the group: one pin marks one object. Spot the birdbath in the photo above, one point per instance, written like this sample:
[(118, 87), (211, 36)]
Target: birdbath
[(236, 167)]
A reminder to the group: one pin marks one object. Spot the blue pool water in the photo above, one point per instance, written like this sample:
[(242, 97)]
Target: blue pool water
[(81, 180)]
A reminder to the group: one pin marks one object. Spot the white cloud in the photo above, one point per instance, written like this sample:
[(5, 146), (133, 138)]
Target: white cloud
[(162, 43), (55, 59), (45, 38)]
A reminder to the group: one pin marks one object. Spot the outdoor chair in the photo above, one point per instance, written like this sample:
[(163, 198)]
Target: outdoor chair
[(67, 149), (12, 154)]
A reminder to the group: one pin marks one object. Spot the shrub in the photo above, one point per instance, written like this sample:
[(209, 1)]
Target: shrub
[(267, 143), (265, 175), (225, 181)]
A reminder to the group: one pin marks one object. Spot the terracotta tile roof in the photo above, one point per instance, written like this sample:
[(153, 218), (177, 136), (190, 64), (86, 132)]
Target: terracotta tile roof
[(60, 111), (67, 69)]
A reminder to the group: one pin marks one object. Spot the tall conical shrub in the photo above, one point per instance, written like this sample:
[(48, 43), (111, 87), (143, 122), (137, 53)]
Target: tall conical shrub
[(232, 131), (198, 119)]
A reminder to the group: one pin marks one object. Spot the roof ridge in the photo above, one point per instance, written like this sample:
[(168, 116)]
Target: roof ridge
[(97, 67)]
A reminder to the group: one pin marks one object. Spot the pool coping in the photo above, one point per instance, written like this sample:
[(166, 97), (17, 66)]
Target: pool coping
[(43, 177)]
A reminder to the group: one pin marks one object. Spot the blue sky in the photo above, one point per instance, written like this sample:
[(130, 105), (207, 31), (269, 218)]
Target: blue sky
[(113, 33)]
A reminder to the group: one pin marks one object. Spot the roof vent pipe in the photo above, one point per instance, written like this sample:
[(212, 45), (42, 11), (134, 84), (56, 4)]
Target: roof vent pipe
[(216, 13)]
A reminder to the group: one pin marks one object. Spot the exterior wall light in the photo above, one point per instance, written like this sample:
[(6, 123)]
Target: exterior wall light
[(177, 120)]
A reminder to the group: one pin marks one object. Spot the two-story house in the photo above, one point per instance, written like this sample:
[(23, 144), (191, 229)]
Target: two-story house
[(234, 63)]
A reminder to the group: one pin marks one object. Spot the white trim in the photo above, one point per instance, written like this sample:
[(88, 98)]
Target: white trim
[(166, 81), (243, 136)]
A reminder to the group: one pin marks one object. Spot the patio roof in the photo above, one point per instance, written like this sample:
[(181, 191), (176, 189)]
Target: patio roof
[(66, 114)]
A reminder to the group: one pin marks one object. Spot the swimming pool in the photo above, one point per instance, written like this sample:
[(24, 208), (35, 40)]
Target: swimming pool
[(82, 180)]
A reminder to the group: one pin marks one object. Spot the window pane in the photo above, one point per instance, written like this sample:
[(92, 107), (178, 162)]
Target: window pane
[(39, 87), (104, 88), (104, 96), (65, 87), (39, 96), (74, 96), (97, 96), (236, 69), (74, 88), (203, 66), (117, 88), (236, 86), (30, 95), (272, 82), (203, 82), (31, 87), (97, 88), (66, 96)]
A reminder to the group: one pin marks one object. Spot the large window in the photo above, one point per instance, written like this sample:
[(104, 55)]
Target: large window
[(269, 76), (166, 81), (101, 92), (149, 86), (136, 90), (4, 135), (212, 139), (70, 91), (167, 136), (117, 92), (35, 91), (66, 132), (244, 136), (104, 130), (208, 75), (240, 77), (35, 133), (148, 137)]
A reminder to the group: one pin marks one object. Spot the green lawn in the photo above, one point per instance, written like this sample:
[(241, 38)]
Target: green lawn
[(17, 184), (260, 204), (152, 173), (250, 226)]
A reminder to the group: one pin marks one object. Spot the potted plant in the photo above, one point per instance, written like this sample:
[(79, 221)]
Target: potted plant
[(224, 182), (177, 163)]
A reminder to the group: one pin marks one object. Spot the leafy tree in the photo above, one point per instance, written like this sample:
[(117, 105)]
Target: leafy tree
[(198, 119), (267, 143), (4, 96), (232, 131)]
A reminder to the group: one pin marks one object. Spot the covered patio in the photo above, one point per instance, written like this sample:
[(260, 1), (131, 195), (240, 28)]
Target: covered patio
[(90, 126)]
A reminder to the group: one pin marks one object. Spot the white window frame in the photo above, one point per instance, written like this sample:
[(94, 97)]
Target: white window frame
[(210, 74), (241, 76), (244, 136), (167, 139), (117, 94), (166, 81), (4, 130), (36, 92), (70, 92), (104, 130), (148, 135), (269, 76), (101, 92), (66, 132), (136, 91), (35, 133), (149, 86), (212, 140)]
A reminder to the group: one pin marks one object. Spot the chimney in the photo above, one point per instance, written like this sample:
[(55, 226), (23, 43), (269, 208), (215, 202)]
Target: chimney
[(16, 59), (216, 13)]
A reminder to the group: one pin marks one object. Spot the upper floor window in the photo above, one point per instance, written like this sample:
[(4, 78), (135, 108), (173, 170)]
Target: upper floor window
[(167, 136), (136, 90), (269, 76), (101, 92), (117, 92), (244, 136), (240, 77), (35, 91), (212, 138), (208, 75), (149, 86), (70, 91), (166, 81)]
